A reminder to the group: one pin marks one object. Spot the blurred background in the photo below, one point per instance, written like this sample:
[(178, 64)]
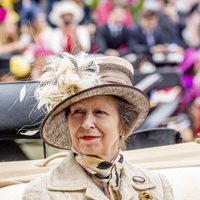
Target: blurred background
[(159, 37)]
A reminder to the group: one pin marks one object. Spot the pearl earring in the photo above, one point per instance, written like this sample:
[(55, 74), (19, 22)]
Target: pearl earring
[(122, 137)]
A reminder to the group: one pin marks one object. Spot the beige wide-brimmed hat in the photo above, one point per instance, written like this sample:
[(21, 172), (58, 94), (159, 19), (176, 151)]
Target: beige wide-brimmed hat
[(65, 7), (69, 80)]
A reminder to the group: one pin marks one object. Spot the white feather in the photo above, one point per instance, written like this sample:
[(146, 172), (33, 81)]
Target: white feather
[(48, 76), (29, 133), (42, 102), (22, 93)]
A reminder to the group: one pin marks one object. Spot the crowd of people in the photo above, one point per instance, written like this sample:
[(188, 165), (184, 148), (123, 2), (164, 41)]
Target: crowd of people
[(36, 29), (147, 33)]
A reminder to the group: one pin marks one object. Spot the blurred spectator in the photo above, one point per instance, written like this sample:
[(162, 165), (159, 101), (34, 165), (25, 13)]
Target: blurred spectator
[(105, 7), (69, 36), (149, 40), (9, 33), (168, 22), (10, 6), (191, 33), (87, 18), (87, 15), (27, 12), (179, 13), (114, 37), (49, 7), (36, 33), (190, 68), (9, 46), (146, 34)]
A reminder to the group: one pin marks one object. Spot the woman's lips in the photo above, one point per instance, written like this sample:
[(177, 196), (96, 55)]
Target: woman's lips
[(89, 137)]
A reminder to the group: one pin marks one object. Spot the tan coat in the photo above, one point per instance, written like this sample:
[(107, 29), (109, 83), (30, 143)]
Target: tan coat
[(68, 181)]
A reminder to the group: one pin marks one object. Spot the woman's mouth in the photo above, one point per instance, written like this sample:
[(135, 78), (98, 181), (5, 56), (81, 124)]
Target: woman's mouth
[(89, 137)]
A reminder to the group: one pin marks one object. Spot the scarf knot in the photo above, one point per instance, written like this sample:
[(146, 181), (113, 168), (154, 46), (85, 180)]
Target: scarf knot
[(107, 172)]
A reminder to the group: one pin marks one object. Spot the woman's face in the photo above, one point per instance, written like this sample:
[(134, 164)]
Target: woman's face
[(95, 127)]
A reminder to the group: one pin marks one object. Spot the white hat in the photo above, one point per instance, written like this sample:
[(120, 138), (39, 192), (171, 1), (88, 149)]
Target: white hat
[(65, 7)]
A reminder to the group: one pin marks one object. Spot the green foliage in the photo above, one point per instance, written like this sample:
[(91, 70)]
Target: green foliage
[(92, 3), (136, 9)]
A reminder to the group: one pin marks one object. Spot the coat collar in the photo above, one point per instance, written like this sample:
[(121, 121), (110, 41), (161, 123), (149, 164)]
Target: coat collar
[(77, 180)]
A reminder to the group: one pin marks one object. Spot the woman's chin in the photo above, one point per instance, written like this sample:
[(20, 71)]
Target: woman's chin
[(90, 150)]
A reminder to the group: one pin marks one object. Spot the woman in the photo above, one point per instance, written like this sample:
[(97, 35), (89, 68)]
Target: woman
[(92, 107)]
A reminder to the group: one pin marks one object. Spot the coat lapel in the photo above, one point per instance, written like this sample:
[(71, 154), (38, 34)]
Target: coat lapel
[(77, 179), (94, 192), (133, 181)]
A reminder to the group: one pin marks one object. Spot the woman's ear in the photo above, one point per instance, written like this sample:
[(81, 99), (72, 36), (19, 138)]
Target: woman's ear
[(121, 131)]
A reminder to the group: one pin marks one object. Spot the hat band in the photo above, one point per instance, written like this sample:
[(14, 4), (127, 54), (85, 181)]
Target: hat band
[(114, 77), (114, 67)]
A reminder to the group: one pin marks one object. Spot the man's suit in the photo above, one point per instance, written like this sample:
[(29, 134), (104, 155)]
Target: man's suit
[(120, 41)]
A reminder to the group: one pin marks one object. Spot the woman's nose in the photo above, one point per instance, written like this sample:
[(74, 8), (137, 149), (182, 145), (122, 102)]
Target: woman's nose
[(88, 122)]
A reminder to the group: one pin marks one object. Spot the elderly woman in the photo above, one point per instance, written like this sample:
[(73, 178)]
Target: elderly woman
[(92, 107)]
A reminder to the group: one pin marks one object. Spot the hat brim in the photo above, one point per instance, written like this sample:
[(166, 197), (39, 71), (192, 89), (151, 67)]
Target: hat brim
[(54, 129)]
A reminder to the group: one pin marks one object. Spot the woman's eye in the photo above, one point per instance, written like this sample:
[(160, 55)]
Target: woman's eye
[(101, 112), (77, 112)]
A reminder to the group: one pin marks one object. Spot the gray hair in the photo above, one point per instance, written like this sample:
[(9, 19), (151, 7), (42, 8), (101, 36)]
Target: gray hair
[(127, 114)]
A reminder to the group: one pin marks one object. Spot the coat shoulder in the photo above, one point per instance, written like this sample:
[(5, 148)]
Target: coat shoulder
[(153, 181), (36, 189)]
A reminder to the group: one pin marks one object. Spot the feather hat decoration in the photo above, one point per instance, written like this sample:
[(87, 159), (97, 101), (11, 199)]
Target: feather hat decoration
[(65, 75)]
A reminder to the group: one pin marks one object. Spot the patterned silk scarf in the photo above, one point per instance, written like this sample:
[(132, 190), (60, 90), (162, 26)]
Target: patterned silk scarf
[(106, 172)]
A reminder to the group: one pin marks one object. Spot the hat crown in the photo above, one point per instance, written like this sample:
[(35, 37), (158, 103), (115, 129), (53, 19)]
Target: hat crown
[(67, 75), (115, 70)]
